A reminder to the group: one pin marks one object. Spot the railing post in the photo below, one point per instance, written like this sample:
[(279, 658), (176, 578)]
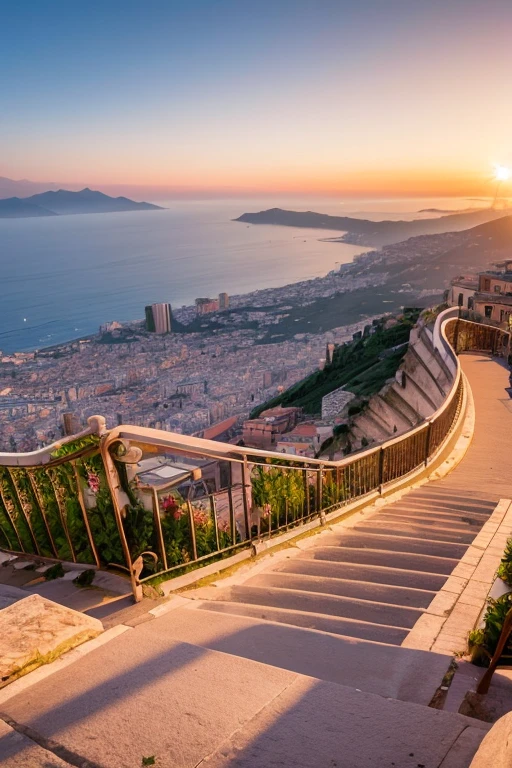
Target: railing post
[(319, 494), (113, 483), (381, 470), (427, 442), (247, 511)]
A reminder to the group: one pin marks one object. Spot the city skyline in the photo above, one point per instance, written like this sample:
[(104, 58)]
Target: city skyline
[(224, 98)]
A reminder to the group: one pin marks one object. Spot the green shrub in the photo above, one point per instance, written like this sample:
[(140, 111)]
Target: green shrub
[(505, 569), (483, 642), (55, 572), (86, 578)]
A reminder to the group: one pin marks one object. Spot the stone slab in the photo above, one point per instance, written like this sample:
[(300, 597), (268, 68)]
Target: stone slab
[(144, 694), (18, 751), (35, 630), (323, 725), (387, 670)]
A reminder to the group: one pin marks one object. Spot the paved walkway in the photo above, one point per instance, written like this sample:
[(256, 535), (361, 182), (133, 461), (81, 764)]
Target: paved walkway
[(231, 688), (485, 472)]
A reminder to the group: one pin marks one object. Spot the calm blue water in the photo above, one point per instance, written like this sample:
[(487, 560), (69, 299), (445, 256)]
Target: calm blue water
[(62, 277)]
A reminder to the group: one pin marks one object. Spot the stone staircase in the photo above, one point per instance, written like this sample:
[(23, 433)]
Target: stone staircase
[(371, 581)]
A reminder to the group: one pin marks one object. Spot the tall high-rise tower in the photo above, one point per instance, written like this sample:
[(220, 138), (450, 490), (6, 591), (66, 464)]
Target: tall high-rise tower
[(158, 318)]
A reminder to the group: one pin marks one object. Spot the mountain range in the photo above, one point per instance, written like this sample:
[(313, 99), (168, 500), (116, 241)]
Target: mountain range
[(372, 233), (62, 202)]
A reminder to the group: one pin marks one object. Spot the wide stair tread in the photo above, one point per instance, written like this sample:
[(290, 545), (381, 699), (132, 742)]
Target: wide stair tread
[(413, 562), (391, 543), (417, 528), (375, 574), (381, 593), (435, 516), (382, 668), (330, 605), (365, 630), (454, 497), (462, 510), (427, 533)]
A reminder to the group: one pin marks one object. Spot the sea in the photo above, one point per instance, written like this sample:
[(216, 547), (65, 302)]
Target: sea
[(61, 277)]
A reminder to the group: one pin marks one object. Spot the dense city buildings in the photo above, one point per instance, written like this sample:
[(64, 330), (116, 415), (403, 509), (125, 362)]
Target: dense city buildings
[(158, 318)]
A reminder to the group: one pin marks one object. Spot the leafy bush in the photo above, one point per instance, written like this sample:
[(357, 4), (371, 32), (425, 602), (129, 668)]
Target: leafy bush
[(483, 642), (279, 493), (85, 579), (505, 569), (177, 533), (55, 572)]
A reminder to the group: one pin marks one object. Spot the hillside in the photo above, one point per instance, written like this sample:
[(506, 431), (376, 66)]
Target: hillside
[(361, 366), (372, 233), (63, 202)]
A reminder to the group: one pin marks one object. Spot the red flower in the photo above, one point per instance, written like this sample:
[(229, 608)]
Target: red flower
[(93, 482)]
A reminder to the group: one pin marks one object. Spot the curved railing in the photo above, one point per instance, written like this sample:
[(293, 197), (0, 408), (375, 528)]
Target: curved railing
[(157, 504)]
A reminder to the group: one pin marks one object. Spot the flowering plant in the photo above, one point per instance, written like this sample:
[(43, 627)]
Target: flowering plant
[(176, 527), (93, 481)]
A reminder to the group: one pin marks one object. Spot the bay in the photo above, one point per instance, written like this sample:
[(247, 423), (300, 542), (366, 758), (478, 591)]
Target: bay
[(61, 277)]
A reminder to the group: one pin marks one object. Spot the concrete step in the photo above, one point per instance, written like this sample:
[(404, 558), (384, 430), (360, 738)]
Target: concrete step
[(365, 590), (419, 532), (452, 499), (415, 512), (365, 630), (391, 543), (375, 574), (330, 605), (414, 507), (439, 530), (451, 522), (428, 563), (398, 673)]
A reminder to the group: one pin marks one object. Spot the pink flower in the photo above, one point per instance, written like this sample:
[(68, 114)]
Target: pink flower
[(178, 513), (168, 502), (223, 526), (93, 482), (200, 518)]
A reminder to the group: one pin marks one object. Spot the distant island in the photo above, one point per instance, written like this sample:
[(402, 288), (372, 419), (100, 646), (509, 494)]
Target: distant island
[(62, 203), (372, 233)]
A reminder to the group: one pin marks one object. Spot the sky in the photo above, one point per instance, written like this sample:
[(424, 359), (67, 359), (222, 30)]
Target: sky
[(375, 97)]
